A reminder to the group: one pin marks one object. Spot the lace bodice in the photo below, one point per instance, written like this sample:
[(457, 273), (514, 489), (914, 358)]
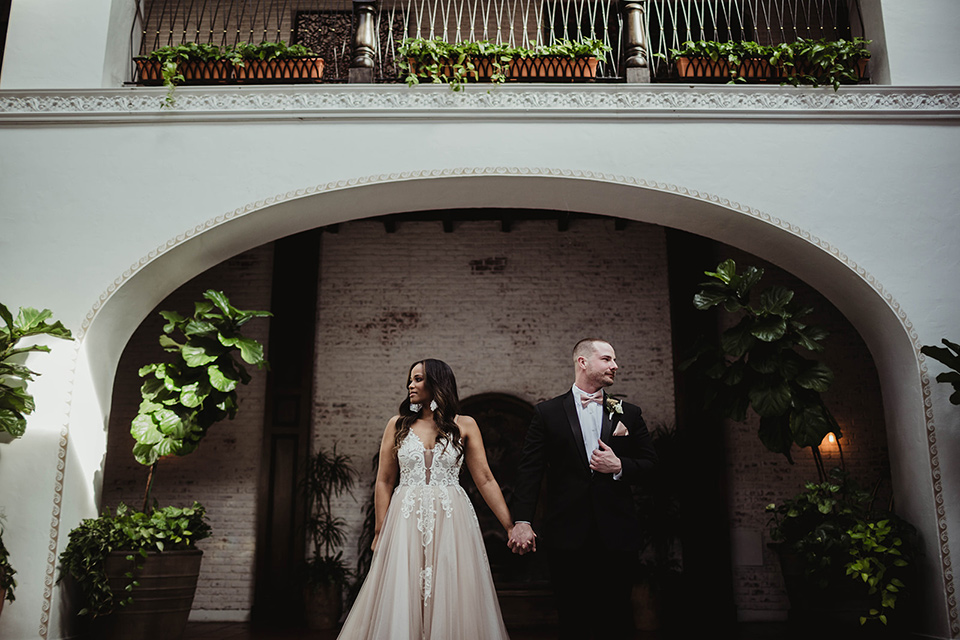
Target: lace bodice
[(419, 465)]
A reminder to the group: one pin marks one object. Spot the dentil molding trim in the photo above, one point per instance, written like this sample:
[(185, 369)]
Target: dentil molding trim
[(512, 101)]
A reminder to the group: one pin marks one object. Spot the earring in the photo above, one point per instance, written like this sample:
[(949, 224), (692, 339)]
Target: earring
[(415, 407), (433, 405)]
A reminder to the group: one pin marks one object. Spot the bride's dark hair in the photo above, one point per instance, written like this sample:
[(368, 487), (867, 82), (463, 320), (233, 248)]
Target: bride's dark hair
[(442, 385)]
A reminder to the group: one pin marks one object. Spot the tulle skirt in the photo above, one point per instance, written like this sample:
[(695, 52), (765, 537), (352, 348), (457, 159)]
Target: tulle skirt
[(429, 578)]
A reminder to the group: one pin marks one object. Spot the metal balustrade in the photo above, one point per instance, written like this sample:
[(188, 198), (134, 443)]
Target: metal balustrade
[(367, 33)]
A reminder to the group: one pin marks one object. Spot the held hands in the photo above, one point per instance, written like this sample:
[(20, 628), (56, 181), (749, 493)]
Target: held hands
[(604, 460), (522, 539)]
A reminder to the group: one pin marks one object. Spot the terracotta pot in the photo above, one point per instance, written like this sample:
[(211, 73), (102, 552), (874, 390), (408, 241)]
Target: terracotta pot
[(205, 71), (553, 68), (483, 69), (148, 71), (699, 67), (280, 70)]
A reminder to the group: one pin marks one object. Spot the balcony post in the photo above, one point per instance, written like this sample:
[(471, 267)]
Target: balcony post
[(634, 41), (364, 41)]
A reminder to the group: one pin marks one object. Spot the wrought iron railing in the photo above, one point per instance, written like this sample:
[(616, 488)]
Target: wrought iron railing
[(628, 27)]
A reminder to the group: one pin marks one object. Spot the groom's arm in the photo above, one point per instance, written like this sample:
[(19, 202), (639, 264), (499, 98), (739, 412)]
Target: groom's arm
[(530, 471)]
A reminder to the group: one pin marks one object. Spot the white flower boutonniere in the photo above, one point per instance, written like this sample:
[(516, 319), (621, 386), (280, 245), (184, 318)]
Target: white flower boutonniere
[(613, 405)]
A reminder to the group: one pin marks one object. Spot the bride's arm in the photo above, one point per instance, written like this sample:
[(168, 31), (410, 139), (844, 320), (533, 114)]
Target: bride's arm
[(387, 470), (476, 459)]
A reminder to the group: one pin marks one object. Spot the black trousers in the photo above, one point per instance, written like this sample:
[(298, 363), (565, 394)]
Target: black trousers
[(592, 587)]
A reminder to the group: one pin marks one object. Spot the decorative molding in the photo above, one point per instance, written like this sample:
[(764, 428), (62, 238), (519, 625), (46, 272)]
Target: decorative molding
[(820, 243), (565, 102)]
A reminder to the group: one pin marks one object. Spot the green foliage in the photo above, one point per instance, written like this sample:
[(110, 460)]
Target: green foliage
[(810, 62), (279, 50), (170, 57), (328, 474), (7, 581), (839, 537), (183, 398), (170, 528), (951, 358), (758, 363), (15, 402), (437, 60)]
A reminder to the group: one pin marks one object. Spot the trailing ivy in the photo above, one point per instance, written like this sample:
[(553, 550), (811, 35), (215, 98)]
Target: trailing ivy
[(438, 61), (183, 398), (84, 558), (803, 62), (8, 583), (15, 403), (757, 363)]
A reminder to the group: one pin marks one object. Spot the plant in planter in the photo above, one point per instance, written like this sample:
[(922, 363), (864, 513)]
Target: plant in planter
[(328, 474), (813, 62), (276, 62), (15, 403), (841, 557), (437, 60), (757, 363), (949, 356), (181, 400), (186, 63), (7, 582)]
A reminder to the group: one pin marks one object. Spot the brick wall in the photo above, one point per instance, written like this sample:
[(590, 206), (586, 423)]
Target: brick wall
[(223, 472), (503, 309)]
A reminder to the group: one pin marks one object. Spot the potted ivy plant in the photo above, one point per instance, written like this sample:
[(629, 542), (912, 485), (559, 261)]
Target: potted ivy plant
[(187, 63), (276, 62), (182, 399), (844, 561), (328, 474), (438, 61), (809, 62)]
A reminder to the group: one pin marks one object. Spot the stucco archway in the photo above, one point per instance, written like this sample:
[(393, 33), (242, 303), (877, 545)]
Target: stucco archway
[(879, 319)]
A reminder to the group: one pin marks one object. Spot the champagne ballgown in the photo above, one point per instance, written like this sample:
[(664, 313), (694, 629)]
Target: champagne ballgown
[(430, 578)]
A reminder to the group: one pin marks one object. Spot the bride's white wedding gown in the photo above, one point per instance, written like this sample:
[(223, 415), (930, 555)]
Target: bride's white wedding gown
[(430, 578)]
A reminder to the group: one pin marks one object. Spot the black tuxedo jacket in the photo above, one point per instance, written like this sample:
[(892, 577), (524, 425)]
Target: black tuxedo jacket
[(580, 502)]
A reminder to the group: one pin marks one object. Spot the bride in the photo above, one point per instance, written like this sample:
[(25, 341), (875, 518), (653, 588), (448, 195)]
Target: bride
[(429, 578)]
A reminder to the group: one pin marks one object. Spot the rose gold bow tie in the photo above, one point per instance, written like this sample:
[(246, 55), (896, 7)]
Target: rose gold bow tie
[(585, 400)]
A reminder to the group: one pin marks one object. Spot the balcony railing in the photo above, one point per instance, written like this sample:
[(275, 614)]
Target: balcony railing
[(635, 30)]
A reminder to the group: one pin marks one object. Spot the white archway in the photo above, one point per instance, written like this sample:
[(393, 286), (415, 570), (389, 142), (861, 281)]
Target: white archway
[(884, 326)]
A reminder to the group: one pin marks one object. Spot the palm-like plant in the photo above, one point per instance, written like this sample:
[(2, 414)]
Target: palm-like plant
[(328, 474)]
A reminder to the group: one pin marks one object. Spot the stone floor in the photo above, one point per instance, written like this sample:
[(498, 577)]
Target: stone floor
[(245, 631)]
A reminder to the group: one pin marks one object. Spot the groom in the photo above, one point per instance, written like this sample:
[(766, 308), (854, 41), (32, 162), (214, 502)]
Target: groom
[(591, 448)]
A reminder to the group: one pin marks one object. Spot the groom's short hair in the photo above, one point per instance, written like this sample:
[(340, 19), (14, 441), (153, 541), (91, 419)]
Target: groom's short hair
[(586, 347)]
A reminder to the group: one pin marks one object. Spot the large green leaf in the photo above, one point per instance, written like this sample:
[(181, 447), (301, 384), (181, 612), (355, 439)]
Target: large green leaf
[(12, 422), (144, 430), (251, 351), (738, 339), (771, 398), (769, 328), (775, 434), (198, 356), (145, 454), (810, 424), (775, 299), (726, 271), (817, 377), (222, 378)]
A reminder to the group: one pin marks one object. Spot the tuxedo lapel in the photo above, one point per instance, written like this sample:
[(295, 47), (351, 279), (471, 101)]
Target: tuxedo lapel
[(606, 423), (571, 410)]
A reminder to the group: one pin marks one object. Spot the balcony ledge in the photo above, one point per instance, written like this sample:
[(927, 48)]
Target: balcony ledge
[(527, 102)]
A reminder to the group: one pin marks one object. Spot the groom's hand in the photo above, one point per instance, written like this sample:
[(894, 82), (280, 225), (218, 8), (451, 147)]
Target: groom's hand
[(604, 460), (522, 538)]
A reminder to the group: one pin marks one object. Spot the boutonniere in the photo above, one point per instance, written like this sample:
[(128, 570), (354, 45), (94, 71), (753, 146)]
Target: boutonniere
[(613, 405)]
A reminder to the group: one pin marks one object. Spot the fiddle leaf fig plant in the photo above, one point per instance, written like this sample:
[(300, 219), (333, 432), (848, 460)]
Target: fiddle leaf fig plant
[(950, 356), (15, 403), (183, 398), (758, 362)]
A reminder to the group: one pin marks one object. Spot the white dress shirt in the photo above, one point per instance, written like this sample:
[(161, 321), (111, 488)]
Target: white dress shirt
[(591, 418)]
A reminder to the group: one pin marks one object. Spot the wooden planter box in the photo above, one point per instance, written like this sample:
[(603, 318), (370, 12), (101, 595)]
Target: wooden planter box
[(281, 70), (553, 69)]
